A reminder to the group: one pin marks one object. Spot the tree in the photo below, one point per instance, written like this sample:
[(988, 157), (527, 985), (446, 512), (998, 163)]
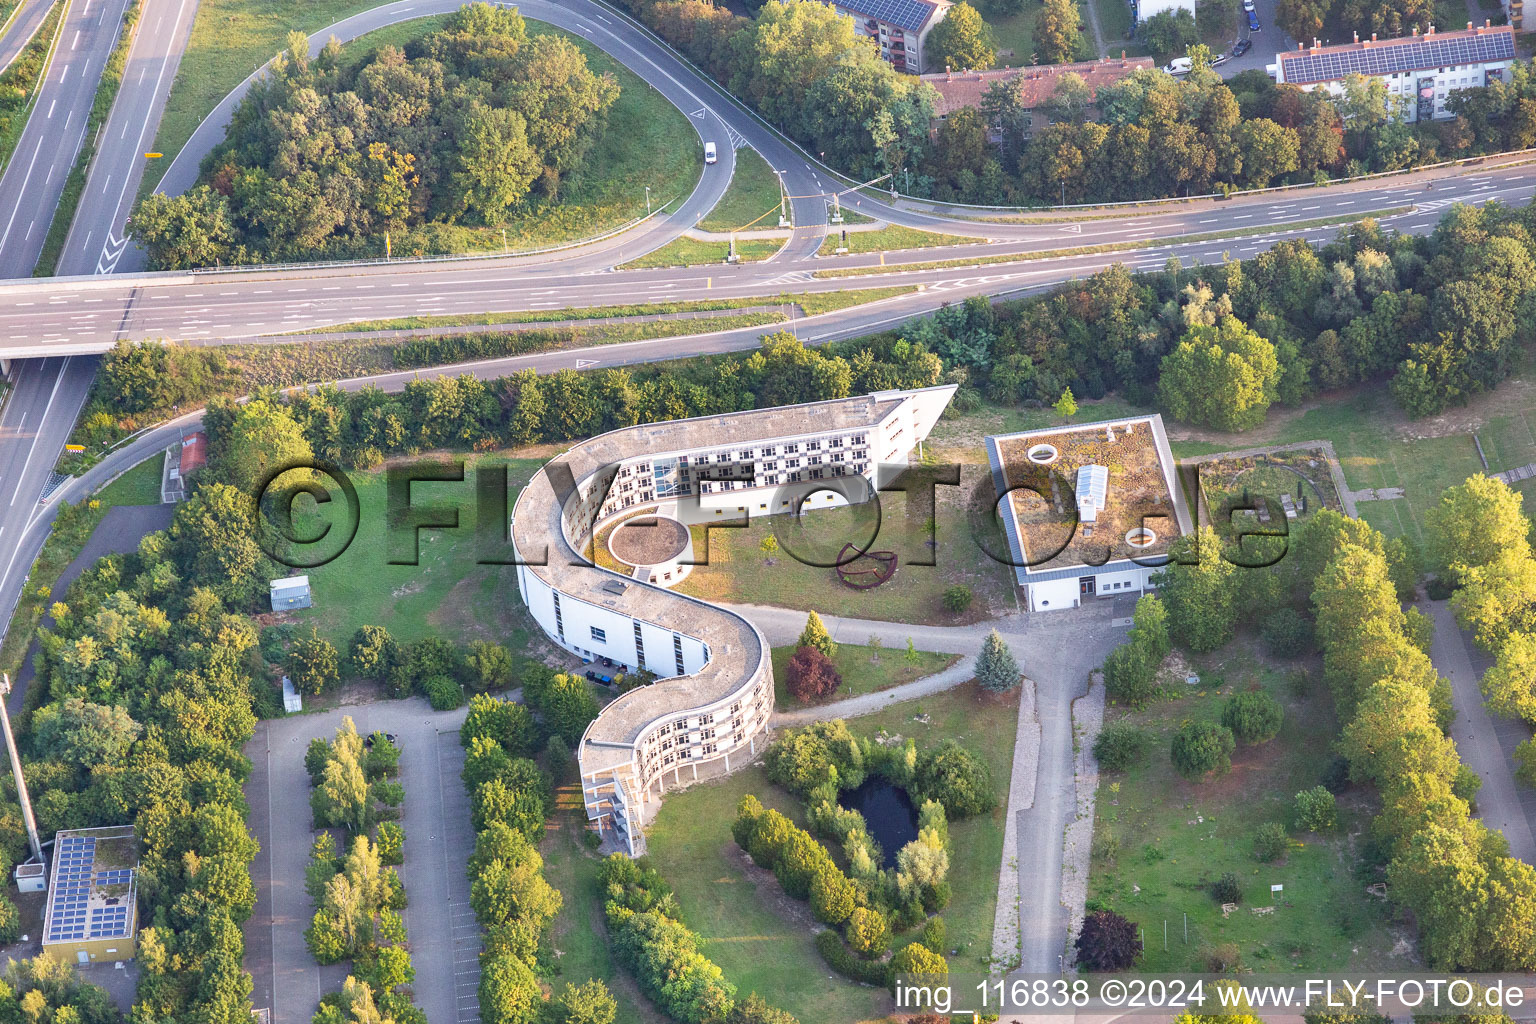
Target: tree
[(313, 663), (587, 1003), (962, 41), (1056, 32), (1107, 942), (815, 635), (1302, 19), (490, 665), (810, 675), (1202, 748), (956, 778), (868, 932), (568, 706), (1198, 591), (373, 653), (1169, 33), (213, 541), (1222, 376), (833, 896), (509, 992), (1066, 405), (1315, 810), (1473, 523), (263, 439), (996, 669), (1253, 716), (185, 231), (919, 960), (1069, 103), (507, 724)]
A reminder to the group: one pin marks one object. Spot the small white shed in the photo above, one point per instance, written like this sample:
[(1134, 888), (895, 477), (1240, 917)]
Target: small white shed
[(290, 593), (31, 877)]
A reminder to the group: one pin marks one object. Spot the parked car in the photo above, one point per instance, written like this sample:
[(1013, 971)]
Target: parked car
[(1253, 21), (1220, 58), (1179, 66), (1242, 47), (1248, 5), (710, 156)]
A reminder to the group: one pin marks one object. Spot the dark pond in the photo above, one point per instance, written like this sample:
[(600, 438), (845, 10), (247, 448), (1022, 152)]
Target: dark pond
[(889, 812)]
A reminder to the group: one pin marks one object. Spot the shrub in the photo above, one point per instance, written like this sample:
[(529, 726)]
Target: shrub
[(845, 963), (811, 675), (1287, 633), (800, 759), (1227, 889), (373, 652), (1120, 746), (956, 778), (958, 598), (1130, 675), (815, 635), (313, 664), (1269, 841), (868, 932), (1200, 748), (934, 934), (1108, 942), (391, 844), (1315, 810), (917, 959), (832, 895), (1253, 716), (442, 693)]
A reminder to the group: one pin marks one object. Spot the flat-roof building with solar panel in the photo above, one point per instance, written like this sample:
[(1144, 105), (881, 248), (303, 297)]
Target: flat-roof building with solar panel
[(92, 912), (1421, 71), (898, 27)]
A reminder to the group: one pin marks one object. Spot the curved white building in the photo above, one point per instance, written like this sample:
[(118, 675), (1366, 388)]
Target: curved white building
[(713, 706)]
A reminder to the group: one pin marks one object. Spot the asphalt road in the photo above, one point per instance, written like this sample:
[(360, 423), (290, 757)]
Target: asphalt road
[(30, 189), (25, 20), (95, 241)]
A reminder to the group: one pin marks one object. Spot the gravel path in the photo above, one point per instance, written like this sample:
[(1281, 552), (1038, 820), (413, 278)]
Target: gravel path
[(1021, 797), (1087, 719)]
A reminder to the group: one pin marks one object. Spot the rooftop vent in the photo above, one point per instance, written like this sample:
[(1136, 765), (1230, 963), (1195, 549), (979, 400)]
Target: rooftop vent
[(615, 586)]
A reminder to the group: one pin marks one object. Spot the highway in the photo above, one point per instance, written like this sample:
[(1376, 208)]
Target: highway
[(23, 24)]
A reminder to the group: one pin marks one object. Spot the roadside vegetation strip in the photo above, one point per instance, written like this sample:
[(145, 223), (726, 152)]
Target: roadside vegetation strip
[(690, 252), (1129, 246), (891, 237), (811, 302), (751, 199), (19, 85), (101, 107)]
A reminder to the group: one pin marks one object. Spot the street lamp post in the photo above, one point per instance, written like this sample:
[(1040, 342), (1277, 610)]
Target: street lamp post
[(1063, 191), (647, 200)]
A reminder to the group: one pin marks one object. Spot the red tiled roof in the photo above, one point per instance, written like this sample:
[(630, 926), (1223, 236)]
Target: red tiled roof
[(194, 453), (965, 88)]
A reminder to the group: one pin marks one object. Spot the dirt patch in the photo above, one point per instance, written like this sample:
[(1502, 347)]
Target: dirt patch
[(456, 613), (769, 892)]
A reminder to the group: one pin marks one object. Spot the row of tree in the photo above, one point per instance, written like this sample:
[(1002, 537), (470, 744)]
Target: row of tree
[(327, 156), (358, 899), (1154, 135), (663, 953)]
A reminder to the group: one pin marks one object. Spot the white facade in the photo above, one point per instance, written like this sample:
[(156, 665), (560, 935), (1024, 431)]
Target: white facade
[(712, 704), (1148, 8)]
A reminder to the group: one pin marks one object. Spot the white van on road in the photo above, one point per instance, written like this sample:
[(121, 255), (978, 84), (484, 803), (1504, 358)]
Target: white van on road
[(710, 156)]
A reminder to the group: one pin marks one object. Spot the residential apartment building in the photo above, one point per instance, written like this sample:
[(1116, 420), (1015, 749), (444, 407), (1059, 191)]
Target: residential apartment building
[(1144, 9), (899, 27), (960, 89), (1421, 71), (711, 708)]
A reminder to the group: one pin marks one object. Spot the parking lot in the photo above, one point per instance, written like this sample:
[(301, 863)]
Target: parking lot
[(439, 838)]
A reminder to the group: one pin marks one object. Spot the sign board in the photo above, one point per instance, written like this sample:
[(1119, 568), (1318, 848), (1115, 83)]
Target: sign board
[(74, 447), (153, 156), (1277, 888)]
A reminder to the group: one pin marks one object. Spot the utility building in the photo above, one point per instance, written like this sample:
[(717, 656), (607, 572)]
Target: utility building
[(290, 594), (92, 912)]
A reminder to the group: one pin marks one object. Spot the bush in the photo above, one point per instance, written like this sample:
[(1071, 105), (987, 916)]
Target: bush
[(917, 959), (442, 693), (1130, 675), (1120, 746), (1269, 842), (934, 934), (845, 963), (956, 778), (313, 664), (1227, 889), (391, 844), (996, 668), (811, 675), (1108, 942), (958, 598), (868, 932), (1287, 634), (1200, 748), (1316, 810), (832, 895), (1253, 716), (373, 653)]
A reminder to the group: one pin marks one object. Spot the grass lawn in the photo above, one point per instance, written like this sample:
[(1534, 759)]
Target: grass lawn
[(891, 237), (139, 486), (1014, 35), (690, 252), (762, 939), (750, 201), (1170, 838), (648, 141), (737, 569), (448, 594), (861, 672)]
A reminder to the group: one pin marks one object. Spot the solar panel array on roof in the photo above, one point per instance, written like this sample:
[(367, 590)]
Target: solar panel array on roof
[(904, 14), (71, 916), (1392, 57)]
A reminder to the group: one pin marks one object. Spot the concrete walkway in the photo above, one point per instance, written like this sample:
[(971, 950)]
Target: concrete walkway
[(1477, 735)]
